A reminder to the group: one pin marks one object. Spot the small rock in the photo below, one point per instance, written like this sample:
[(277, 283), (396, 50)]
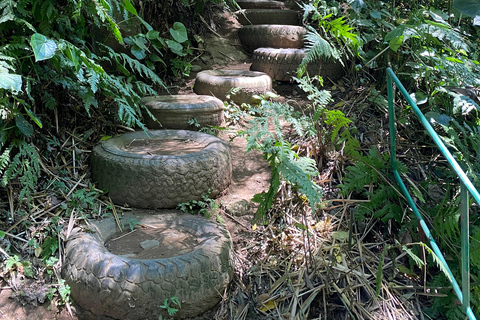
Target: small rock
[(148, 244), (240, 208), (195, 68)]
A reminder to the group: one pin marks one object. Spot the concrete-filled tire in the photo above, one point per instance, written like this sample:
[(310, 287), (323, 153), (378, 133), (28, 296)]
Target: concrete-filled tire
[(175, 111), (272, 36), (282, 64), (161, 168), (268, 16), (219, 83), (260, 4), (123, 287)]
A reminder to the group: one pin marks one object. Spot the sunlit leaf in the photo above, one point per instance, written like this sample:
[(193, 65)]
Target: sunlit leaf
[(419, 97), (269, 305), (12, 82), (34, 117), (340, 235), (43, 48), (130, 8), (396, 43)]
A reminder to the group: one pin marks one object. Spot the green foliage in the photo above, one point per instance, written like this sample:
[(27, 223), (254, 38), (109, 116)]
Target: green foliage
[(171, 305), (24, 166), (51, 57), (331, 125), (13, 263), (130, 223), (284, 162), (332, 36), (61, 290), (206, 206), (374, 170)]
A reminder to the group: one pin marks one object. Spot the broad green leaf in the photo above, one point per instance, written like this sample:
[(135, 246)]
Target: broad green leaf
[(43, 49), (419, 97), (130, 8), (437, 117), (34, 117), (452, 59), (105, 138), (2, 234), (23, 125), (176, 47), (138, 52), (470, 8), (395, 33), (179, 32), (375, 14), (12, 82), (357, 5), (155, 58), (437, 24), (153, 34), (396, 43), (141, 42)]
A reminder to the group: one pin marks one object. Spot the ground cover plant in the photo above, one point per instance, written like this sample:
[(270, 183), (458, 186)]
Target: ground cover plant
[(65, 85)]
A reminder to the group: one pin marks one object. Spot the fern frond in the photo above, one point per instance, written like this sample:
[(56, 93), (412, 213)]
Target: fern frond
[(24, 166), (419, 262), (135, 66), (4, 160), (298, 171), (437, 260), (317, 48), (341, 30)]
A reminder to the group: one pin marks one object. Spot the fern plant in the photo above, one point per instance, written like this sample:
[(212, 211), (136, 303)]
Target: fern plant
[(50, 59), (284, 162), (374, 170), (330, 39), (24, 167)]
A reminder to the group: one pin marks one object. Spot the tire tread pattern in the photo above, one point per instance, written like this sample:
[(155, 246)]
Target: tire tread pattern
[(123, 288), (272, 36), (267, 16), (174, 112), (154, 182), (282, 64)]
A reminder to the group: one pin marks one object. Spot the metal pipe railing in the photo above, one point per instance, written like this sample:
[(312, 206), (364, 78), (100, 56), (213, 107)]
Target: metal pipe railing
[(466, 187)]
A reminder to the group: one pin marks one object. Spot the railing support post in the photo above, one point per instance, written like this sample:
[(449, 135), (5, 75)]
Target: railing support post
[(466, 187), (465, 227)]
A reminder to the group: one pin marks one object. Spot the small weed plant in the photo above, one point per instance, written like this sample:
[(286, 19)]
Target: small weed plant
[(171, 305)]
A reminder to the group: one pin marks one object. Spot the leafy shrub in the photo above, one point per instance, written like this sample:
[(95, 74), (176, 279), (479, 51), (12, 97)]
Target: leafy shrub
[(52, 59)]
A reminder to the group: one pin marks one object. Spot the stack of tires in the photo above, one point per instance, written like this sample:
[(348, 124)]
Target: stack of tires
[(274, 35), (149, 171)]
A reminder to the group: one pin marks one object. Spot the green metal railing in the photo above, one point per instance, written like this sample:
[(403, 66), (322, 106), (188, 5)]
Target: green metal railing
[(466, 187)]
